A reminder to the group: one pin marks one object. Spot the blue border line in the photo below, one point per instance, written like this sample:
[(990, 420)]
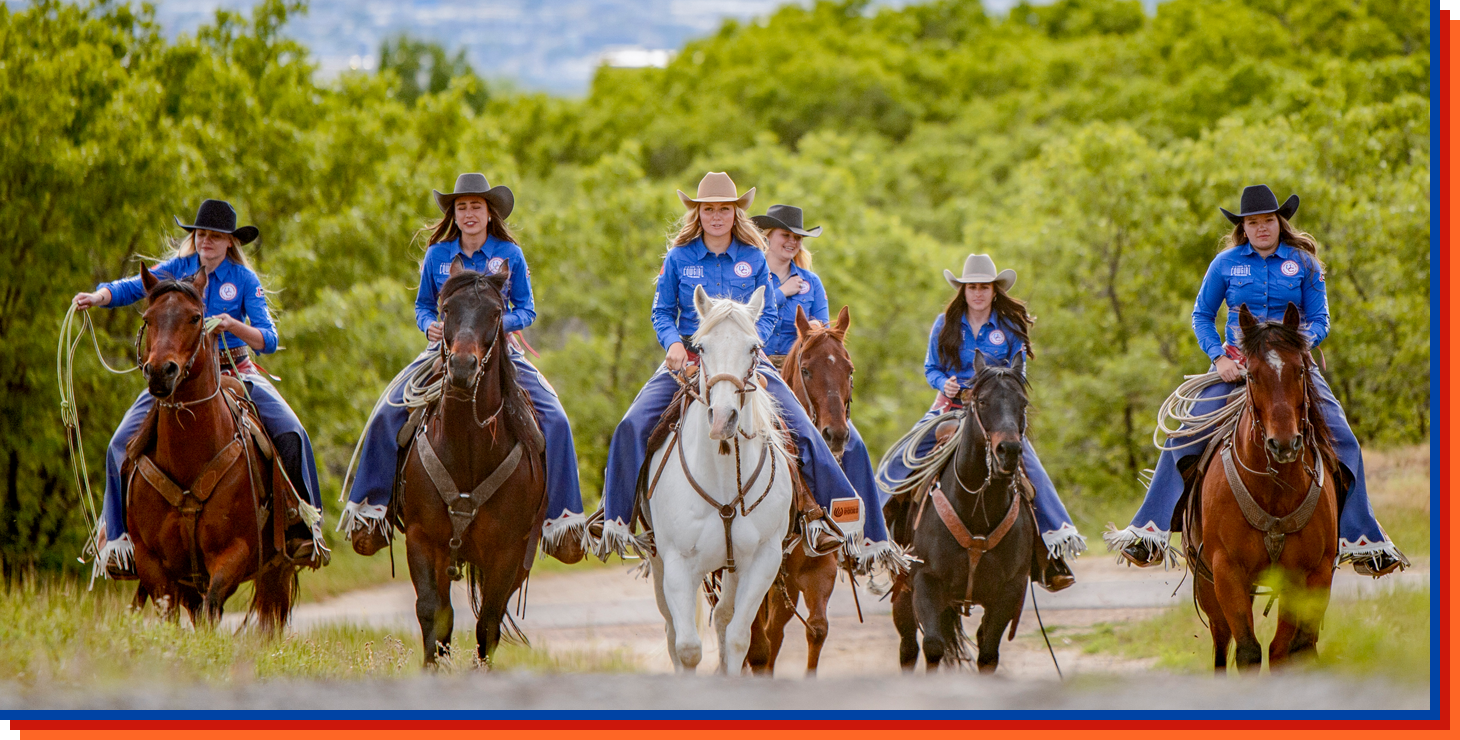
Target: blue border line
[(1437, 567)]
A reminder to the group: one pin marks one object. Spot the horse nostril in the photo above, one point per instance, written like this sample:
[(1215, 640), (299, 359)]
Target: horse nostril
[(169, 370)]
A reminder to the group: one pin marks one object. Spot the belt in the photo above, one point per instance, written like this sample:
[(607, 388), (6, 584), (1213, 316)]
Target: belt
[(240, 354)]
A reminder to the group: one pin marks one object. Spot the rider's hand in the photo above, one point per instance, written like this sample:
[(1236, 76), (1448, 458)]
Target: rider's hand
[(792, 286), (951, 387), (1228, 369), (84, 300), (676, 357), (225, 323), (433, 331)]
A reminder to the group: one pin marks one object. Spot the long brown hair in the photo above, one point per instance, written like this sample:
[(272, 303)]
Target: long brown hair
[(1286, 234), (689, 229), (446, 229), (950, 338)]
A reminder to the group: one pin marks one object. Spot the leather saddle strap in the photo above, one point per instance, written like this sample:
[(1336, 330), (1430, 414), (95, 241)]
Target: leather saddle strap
[(452, 496), (727, 511), (673, 440), (1274, 530), (976, 545), (203, 485)]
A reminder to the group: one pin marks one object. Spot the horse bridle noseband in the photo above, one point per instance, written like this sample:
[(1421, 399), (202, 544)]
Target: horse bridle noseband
[(477, 375), (187, 369), (970, 407)]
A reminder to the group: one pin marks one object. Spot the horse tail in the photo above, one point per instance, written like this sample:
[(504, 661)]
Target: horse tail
[(274, 591), (476, 581), (960, 649)]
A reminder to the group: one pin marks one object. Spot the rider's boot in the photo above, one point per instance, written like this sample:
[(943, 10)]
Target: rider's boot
[(1380, 564), (367, 541), (1057, 575), (1141, 554), (567, 549), (822, 534)]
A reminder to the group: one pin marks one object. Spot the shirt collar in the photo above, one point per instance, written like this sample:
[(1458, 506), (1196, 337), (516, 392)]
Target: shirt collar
[(1283, 250), (993, 321), (453, 248), (701, 251)]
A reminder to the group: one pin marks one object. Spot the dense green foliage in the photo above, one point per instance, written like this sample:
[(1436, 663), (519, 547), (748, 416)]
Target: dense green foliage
[(1084, 144)]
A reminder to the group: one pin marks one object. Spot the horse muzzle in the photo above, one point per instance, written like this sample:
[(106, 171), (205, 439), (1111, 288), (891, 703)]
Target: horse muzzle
[(162, 380), (1007, 454), (724, 423), (462, 370), (836, 439), (1285, 451)]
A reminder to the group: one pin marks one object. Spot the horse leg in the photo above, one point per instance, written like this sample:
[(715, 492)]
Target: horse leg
[(1307, 615), (753, 582), (781, 612), (228, 569), (996, 618), (681, 588), (428, 570), (724, 611), (757, 658), (930, 617), (274, 591), (818, 589), (494, 608), (1235, 601), (905, 620), (1206, 599), (656, 569)]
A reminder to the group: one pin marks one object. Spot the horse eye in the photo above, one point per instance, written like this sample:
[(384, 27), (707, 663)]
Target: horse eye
[(805, 372), (196, 319)]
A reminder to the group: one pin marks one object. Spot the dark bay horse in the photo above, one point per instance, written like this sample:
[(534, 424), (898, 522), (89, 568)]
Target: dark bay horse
[(473, 482), (1268, 501), (206, 509), (819, 370), (974, 532)]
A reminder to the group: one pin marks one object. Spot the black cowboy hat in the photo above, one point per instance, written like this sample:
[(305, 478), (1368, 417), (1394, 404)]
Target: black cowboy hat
[(475, 183), (1259, 199), (219, 216), (784, 217)]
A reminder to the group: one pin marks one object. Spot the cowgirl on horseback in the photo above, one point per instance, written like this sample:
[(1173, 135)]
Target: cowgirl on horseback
[(983, 317), (717, 248), (794, 284), (1265, 264), (237, 297), (473, 227)]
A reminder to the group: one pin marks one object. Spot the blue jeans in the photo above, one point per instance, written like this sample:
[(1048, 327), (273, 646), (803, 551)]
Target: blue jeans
[(629, 448), (375, 480), (1049, 510), (278, 419), (1357, 526)]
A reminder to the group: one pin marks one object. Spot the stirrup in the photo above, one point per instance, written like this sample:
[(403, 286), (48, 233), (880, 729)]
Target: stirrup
[(1380, 564), (366, 541), (1141, 555), (1057, 575)]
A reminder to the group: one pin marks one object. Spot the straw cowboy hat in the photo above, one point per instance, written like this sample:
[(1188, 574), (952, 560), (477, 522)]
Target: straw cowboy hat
[(785, 217), (979, 268), (1259, 199), (219, 216), (475, 183), (717, 187)]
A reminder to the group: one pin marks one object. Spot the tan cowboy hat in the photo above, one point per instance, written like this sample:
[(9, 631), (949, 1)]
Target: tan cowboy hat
[(717, 187), (979, 268)]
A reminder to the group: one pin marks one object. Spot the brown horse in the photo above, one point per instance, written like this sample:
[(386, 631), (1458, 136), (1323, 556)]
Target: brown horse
[(473, 482), (819, 371), (206, 509), (1281, 455)]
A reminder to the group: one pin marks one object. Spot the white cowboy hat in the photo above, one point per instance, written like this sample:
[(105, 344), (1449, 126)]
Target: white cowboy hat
[(979, 268), (717, 187)]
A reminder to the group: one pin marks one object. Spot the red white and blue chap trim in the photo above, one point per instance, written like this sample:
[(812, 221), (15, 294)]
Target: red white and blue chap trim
[(1290, 268), (742, 269)]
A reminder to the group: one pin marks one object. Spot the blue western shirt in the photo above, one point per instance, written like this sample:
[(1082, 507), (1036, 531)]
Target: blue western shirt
[(493, 257), (232, 289), (1241, 276), (735, 274), (811, 299), (994, 339)]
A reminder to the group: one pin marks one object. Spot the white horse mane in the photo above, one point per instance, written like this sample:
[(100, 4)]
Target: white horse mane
[(764, 411)]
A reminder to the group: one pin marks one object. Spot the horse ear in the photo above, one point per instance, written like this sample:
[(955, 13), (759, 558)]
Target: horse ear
[(757, 301), (803, 327), (1245, 319), (978, 361), (1019, 363), (200, 280), (1291, 316), (702, 301), (843, 321), (149, 281), (456, 266)]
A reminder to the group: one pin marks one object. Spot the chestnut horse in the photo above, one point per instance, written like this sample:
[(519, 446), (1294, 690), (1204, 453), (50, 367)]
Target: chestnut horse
[(205, 509), (1277, 471), (819, 371), (473, 481)]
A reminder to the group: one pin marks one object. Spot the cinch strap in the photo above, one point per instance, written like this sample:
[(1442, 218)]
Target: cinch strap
[(975, 545), (1274, 530), (452, 497)]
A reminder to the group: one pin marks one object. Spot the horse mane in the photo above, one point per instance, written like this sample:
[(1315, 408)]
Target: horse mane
[(765, 412), (990, 372), (519, 413), (1275, 335), (174, 285)]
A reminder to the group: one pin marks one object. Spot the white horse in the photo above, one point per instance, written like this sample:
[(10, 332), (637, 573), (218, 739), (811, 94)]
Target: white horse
[(728, 432)]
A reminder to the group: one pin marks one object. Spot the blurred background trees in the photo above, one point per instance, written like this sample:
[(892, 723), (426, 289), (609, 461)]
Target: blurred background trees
[(1084, 144)]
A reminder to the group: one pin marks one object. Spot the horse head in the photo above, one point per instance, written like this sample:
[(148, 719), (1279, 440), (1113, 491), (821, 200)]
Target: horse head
[(175, 332), (728, 344), (1278, 381), (997, 404), (825, 370), (471, 307)]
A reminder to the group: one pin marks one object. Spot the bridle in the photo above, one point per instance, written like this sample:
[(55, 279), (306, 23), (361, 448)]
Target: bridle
[(970, 406), (1256, 427), (187, 369), (811, 411), (479, 373)]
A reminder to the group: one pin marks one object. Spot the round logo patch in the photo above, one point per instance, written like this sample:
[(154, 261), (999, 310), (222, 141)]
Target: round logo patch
[(228, 291), (805, 288), (494, 265), (742, 269), (996, 337), (1290, 268)]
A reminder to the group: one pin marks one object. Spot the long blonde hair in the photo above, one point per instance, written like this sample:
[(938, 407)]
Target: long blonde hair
[(1286, 234), (690, 229), (185, 246), (803, 255)]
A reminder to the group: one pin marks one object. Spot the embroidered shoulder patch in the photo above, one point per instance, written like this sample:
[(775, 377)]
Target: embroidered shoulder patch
[(494, 265), (259, 292), (742, 269), (228, 291), (996, 337), (1290, 268)]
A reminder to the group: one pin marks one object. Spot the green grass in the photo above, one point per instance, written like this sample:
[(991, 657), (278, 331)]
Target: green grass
[(1388, 635), (58, 633)]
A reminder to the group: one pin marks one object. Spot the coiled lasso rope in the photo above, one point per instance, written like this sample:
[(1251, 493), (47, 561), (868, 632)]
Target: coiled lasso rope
[(72, 332), (416, 391), (921, 468), (1195, 428)]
